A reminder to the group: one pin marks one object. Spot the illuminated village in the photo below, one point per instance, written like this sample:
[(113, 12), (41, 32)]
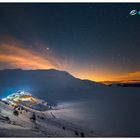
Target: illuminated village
[(25, 99)]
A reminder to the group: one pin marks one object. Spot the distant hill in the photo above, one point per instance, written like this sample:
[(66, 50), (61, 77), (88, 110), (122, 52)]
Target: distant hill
[(129, 85)]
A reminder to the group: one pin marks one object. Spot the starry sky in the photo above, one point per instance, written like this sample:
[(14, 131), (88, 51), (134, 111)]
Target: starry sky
[(92, 41)]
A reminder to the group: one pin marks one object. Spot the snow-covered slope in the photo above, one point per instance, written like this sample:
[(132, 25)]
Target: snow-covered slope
[(46, 124)]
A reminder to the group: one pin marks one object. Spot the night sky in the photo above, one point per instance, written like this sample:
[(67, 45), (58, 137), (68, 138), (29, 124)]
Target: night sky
[(100, 42)]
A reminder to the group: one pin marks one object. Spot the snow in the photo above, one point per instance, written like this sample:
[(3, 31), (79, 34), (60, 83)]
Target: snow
[(47, 124), (83, 108)]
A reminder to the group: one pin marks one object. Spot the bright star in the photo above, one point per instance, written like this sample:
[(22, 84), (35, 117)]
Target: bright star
[(48, 49)]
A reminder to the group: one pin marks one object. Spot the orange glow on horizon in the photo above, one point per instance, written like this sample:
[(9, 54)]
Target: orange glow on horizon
[(17, 56), (108, 78)]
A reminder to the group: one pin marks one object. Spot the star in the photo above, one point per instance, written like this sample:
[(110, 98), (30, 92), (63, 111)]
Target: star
[(47, 49)]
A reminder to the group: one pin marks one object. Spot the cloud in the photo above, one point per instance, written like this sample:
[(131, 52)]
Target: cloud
[(130, 77), (135, 76), (14, 54)]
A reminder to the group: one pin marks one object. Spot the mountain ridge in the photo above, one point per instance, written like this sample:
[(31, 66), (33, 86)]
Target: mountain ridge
[(50, 70), (53, 84)]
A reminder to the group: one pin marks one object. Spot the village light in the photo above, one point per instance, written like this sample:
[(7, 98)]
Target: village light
[(4, 99), (20, 97)]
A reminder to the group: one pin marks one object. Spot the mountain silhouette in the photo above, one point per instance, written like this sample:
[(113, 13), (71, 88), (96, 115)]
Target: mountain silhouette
[(47, 84)]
